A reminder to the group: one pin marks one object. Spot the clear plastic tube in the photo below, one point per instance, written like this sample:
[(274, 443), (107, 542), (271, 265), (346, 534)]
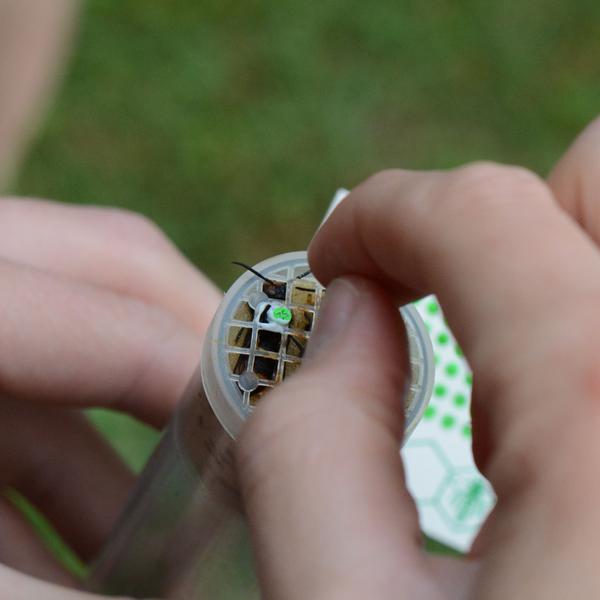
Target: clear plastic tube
[(182, 532)]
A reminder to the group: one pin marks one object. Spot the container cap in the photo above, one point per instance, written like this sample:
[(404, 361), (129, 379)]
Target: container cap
[(259, 334)]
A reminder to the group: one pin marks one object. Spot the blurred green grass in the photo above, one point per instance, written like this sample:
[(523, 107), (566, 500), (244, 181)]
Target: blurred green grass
[(231, 124)]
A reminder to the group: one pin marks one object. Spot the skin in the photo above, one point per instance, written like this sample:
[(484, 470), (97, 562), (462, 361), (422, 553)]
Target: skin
[(514, 260), (35, 39), (99, 309)]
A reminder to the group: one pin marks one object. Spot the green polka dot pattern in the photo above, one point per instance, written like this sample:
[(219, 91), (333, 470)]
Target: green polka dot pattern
[(448, 421), (440, 390), (460, 400), (432, 307), (429, 413), (443, 339), (451, 369), (449, 405), (453, 498)]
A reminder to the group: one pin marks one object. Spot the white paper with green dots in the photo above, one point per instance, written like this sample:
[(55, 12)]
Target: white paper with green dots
[(452, 497)]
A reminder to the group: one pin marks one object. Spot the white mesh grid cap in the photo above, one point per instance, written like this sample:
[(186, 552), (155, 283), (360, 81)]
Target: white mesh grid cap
[(260, 332)]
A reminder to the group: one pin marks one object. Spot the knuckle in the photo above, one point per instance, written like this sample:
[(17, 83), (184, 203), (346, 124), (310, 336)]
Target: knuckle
[(583, 346), (384, 179), (493, 186), (578, 167), (569, 359), (9, 201), (560, 374), (571, 351), (590, 136), (18, 209), (136, 229)]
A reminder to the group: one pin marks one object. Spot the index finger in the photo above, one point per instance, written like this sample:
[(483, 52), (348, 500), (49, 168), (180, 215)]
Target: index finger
[(476, 236), (506, 262)]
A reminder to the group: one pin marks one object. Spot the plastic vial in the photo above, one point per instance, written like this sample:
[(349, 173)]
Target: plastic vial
[(182, 534)]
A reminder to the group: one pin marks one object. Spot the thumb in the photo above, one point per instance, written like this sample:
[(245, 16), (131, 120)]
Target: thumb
[(319, 460)]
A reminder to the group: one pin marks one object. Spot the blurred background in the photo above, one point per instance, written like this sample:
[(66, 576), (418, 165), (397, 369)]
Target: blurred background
[(231, 124)]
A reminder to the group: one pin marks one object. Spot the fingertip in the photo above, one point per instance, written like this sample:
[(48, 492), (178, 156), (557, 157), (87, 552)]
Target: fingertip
[(340, 248)]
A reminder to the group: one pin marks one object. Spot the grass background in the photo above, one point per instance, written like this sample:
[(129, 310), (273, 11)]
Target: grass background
[(232, 123)]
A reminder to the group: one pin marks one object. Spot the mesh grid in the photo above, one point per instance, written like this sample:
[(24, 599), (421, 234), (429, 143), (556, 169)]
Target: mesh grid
[(247, 336)]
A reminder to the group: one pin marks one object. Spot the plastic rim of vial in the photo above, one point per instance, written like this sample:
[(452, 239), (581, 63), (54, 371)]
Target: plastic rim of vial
[(223, 394)]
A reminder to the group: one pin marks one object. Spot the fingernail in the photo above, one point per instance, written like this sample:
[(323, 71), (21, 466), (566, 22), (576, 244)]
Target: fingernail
[(334, 315)]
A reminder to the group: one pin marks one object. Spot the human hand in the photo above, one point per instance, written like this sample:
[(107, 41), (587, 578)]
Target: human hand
[(98, 309), (514, 261)]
